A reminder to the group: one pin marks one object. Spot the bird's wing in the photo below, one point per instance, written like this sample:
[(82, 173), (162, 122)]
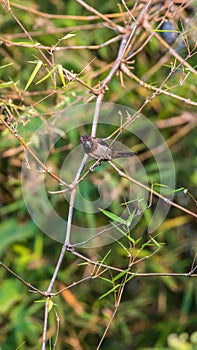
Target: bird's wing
[(103, 143)]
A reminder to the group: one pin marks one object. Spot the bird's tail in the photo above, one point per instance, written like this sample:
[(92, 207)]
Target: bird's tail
[(120, 154)]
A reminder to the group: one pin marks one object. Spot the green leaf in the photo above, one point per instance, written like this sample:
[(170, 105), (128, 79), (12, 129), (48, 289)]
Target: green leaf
[(183, 189), (113, 216), (46, 76), (121, 274), (119, 229), (159, 185), (166, 31), (130, 219), (129, 278), (28, 43), (51, 303), (110, 291), (4, 85), (20, 346), (68, 36), (33, 74), (61, 74), (155, 242), (125, 234), (6, 65), (105, 279)]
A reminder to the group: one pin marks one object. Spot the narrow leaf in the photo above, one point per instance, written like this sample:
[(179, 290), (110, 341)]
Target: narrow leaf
[(46, 76), (105, 279), (125, 234), (159, 185), (121, 274), (28, 43), (156, 243), (4, 85), (68, 36), (113, 216), (166, 31), (129, 278), (6, 65), (33, 74), (110, 291), (130, 219), (61, 74)]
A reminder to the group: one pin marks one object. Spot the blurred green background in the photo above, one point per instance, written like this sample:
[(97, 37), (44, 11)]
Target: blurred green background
[(154, 313)]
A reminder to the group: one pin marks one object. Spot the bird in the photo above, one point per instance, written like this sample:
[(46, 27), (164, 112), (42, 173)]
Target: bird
[(98, 149)]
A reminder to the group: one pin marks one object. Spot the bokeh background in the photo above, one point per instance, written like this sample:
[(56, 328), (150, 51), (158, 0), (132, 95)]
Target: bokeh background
[(154, 312)]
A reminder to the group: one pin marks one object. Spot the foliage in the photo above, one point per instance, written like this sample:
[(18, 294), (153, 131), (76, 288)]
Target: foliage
[(134, 292)]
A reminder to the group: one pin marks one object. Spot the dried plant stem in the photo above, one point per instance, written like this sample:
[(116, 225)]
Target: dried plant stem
[(166, 200), (126, 70), (50, 15), (66, 245), (28, 285), (137, 274), (134, 33), (183, 61), (29, 150), (100, 15)]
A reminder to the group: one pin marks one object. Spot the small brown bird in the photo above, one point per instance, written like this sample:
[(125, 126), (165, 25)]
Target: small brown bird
[(99, 149)]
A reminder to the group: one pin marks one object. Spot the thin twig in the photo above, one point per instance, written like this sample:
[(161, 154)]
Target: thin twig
[(57, 16), (166, 200), (29, 150), (137, 274), (125, 69), (100, 15), (28, 285)]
